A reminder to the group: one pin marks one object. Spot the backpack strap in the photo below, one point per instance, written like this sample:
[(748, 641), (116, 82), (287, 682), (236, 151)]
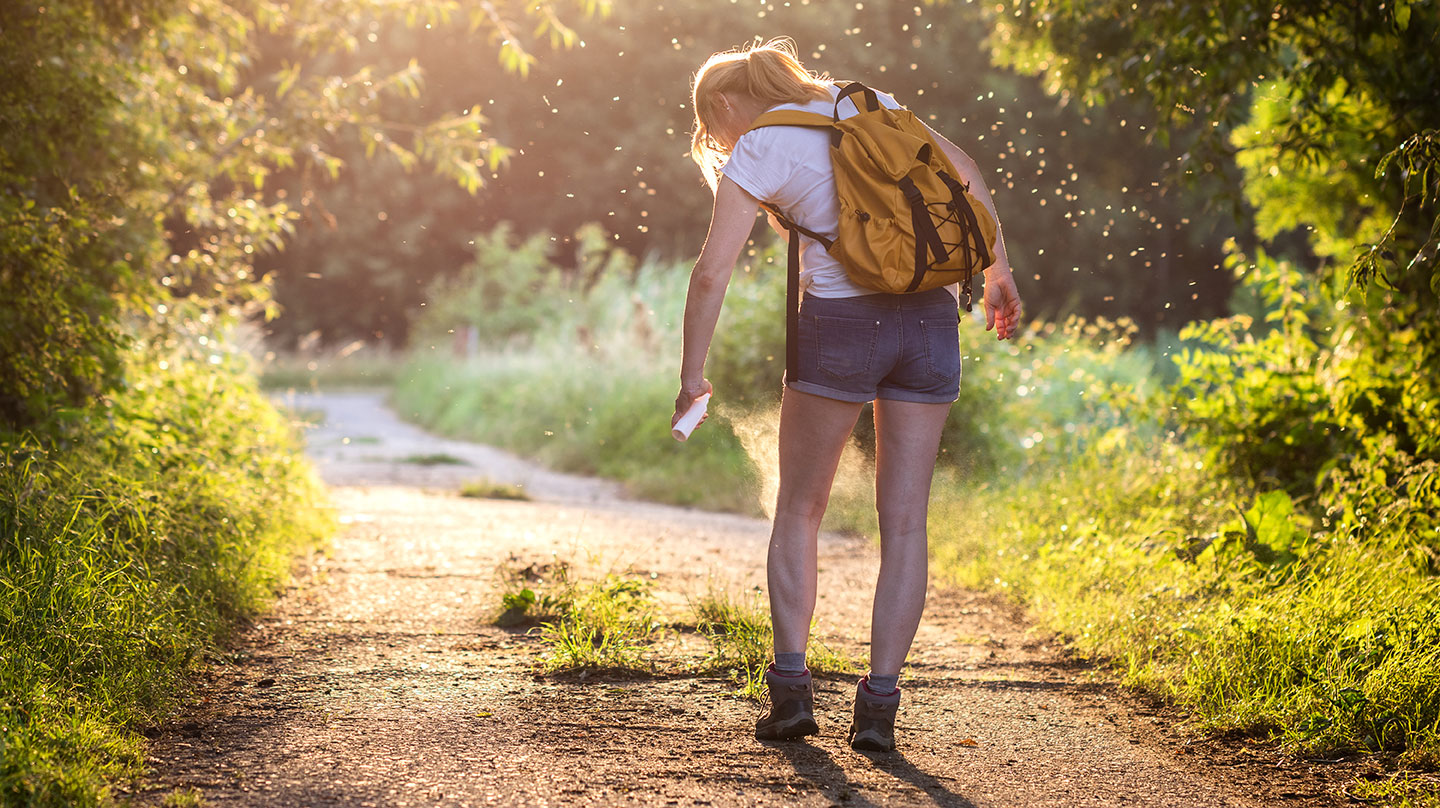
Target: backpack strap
[(972, 239), (872, 101), (792, 286), (927, 238), (791, 117)]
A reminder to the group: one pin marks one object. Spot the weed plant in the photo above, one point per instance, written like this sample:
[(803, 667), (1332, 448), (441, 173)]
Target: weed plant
[(1324, 640), (490, 489), (742, 642), (607, 624), (433, 459), (128, 547)]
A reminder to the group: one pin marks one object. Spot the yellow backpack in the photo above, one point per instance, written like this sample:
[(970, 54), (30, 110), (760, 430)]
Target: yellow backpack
[(906, 224)]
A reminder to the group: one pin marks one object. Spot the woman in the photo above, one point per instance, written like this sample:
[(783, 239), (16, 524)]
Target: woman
[(908, 363)]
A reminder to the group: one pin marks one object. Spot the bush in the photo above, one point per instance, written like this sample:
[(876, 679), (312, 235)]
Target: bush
[(126, 552)]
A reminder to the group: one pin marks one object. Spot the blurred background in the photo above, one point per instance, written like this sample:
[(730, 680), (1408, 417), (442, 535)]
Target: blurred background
[(598, 134)]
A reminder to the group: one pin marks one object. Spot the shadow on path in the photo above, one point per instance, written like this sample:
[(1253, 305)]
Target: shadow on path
[(818, 767)]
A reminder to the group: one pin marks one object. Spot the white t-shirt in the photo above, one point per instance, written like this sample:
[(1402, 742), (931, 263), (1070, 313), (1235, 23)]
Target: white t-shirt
[(789, 167)]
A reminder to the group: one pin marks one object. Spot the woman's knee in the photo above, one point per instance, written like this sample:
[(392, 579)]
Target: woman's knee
[(900, 521), (806, 510)]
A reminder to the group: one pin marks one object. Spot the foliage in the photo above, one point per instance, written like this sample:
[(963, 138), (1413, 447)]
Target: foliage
[(1044, 396), (604, 625), (1317, 396), (1318, 103), (1256, 388), (152, 496), (125, 554), (1319, 634), (513, 291), (138, 198)]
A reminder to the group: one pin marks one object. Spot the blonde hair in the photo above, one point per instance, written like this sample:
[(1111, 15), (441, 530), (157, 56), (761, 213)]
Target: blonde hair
[(770, 73)]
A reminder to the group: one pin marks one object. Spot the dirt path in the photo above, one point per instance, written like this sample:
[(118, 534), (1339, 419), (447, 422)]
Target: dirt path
[(377, 680)]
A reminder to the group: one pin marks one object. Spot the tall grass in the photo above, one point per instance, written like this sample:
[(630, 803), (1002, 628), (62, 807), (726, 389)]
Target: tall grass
[(589, 387), (126, 552), (1325, 641)]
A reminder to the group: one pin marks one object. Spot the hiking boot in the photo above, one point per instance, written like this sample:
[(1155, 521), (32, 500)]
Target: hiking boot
[(873, 729), (792, 708)]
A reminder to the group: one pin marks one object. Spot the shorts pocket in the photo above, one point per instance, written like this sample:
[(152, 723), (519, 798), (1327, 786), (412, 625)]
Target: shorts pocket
[(845, 346), (942, 348)]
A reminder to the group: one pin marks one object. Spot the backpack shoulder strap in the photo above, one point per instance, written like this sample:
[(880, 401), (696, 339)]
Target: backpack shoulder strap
[(791, 117)]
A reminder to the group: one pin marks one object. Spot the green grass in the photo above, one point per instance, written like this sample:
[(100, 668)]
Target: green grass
[(434, 459), (127, 551), (1401, 790), (742, 641), (1320, 642), (593, 419), (607, 624), (354, 366), (489, 489), (187, 798), (604, 625), (612, 624)]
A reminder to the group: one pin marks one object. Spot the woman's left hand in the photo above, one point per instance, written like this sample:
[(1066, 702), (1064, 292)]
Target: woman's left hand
[(687, 396)]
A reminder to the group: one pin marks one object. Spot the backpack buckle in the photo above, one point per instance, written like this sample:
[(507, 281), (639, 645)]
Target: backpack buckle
[(912, 193)]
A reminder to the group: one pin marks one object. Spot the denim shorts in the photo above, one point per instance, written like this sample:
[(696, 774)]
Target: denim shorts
[(896, 347)]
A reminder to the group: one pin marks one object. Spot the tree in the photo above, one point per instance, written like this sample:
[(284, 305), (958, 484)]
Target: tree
[(1320, 104), (139, 138), (600, 134), (1329, 111)]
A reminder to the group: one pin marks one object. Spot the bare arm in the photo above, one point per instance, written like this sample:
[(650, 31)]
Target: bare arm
[(1002, 299), (730, 224)]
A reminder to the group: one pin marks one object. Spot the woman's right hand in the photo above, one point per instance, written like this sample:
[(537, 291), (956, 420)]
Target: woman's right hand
[(688, 394), (1002, 302)]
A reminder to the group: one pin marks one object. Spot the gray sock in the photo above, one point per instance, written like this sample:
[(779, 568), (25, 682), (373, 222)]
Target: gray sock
[(882, 685), (788, 664)]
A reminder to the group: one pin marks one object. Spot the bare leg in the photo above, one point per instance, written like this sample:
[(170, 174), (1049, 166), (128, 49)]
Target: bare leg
[(813, 431), (907, 438)]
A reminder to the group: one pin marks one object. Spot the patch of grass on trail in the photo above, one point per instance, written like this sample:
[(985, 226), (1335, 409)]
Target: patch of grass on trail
[(1399, 790), (434, 459), (489, 489), (613, 624), (607, 624), (129, 546), (742, 641)]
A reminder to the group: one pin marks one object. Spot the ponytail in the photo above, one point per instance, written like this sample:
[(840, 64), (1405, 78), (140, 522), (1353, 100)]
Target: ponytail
[(770, 73)]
